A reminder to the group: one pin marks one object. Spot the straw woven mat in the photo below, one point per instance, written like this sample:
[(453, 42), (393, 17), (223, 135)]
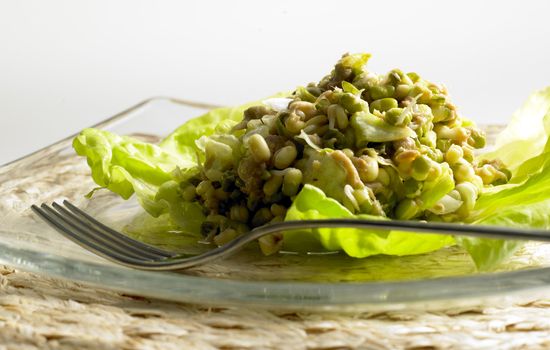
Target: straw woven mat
[(45, 313), (39, 312)]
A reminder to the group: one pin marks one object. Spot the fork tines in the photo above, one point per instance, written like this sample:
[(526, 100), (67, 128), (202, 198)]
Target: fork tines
[(91, 234)]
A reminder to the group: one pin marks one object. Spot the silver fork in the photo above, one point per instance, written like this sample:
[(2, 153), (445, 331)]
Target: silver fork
[(112, 245)]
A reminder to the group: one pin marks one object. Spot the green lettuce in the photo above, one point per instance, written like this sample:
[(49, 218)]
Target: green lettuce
[(526, 135), (126, 166), (312, 203), (524, 202)]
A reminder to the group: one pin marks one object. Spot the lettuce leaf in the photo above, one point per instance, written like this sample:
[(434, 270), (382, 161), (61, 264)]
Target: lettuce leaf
[(488, 253), (524, 146), (125, 166), (526, 134), (312, 203)]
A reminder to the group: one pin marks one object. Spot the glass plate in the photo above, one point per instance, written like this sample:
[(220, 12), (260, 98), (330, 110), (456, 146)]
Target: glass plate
[(312, 281)]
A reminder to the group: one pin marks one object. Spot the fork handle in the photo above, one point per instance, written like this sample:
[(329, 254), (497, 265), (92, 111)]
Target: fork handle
[(421, 227), (477, 231)]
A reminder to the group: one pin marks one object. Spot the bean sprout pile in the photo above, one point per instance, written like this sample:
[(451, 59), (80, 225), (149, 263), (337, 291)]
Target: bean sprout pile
[(378, 144)]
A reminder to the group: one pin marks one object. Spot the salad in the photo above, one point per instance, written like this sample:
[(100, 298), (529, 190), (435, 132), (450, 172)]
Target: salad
[(355, 144)]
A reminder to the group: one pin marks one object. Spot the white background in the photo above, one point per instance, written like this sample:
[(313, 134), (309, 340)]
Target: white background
[(65, 65)]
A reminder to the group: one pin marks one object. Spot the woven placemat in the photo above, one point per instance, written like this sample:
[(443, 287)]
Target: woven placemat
[(38, 312)]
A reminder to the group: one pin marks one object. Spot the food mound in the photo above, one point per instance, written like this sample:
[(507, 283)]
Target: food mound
[(382, 145)]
